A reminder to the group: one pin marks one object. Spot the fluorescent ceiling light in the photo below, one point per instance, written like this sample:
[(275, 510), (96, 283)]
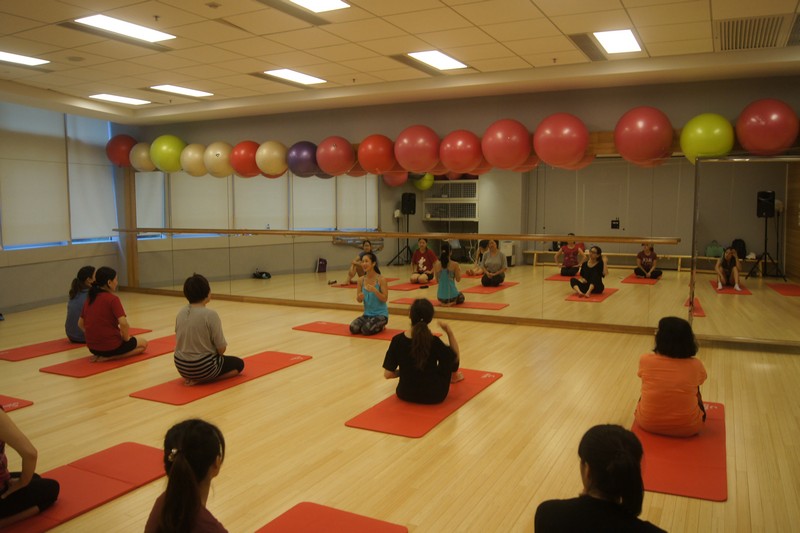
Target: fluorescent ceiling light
[(22, 60), (321, 6), (297, 77), (119, 99), (617, 42), (181, 90), (125, 28), (437, 59)]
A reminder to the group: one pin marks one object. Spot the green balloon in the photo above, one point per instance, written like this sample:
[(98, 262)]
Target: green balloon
[(424, 183), (708, 134), (165, 152)]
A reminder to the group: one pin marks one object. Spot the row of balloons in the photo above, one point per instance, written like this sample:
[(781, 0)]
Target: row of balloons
[(643, 136)]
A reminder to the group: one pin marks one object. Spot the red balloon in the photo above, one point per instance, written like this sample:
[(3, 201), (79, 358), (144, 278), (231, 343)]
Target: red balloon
[(357, 171), (335, 155), (460, 151), (767, 127), (243, 159), (581, 163), (417, 149), (483, 167), (643, 134), (395, 179), (376, 154), (453, 175), (439, 169), (118, 149), (561, 139), (531, 163), (506, 144)]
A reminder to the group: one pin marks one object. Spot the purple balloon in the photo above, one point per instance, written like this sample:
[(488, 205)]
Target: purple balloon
[(302, 159)]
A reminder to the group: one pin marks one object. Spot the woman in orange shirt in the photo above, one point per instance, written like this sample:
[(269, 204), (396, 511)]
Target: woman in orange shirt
[(670, 403)]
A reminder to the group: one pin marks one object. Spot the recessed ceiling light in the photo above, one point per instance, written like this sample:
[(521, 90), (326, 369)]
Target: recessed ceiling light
[(125, 28), (181, 90), (437, 59), (321, 6), (297, 77), (617, 42), (119, 99), (22, 60)]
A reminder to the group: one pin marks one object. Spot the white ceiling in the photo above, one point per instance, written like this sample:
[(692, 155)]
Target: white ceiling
[(510, 46)]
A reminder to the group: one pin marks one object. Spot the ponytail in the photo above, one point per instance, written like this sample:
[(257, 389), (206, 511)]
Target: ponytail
[(79, 282), (444, 255), (421, 314), (101, 279)]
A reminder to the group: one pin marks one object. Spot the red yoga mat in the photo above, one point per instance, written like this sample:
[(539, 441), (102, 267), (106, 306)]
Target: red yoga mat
[(480, 289), (396, 417), (698, 309), (593, 298), (640, 281), (727, 289), (785, 289), (558, 277), (12, 404), (83, 367), (174, 392), (411, 286), (694, 466), (94, 480), (333, 328), (465, 305), (46, 348), (307, 516)]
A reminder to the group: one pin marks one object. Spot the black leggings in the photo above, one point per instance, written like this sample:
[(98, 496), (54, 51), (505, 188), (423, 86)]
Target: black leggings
[(642, 274), (569, 271), (39, 493), (229, 363), (583, 287), (494, 281)]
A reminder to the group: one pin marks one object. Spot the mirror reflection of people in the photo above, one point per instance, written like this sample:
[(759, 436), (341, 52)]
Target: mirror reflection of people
[(476, 269), (494, 265), (613, 491), (728, 268), (422, 262), (593, 270), (447, 272), (573, 257), (356, 270), (373, 291), (646, 262), (78, 291)]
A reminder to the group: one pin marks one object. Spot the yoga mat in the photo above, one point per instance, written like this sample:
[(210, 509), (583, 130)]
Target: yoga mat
[(593, 298), (640, 281), (94, 480), (83, 367), (396, 417), (332, 328), (12, 404), (465, 305), (694, 466), (698, 309), (558, 277), (785, 289), (307, 516), (46, 348), (480, 289), (730, 290), (411, 286), (174, 392)]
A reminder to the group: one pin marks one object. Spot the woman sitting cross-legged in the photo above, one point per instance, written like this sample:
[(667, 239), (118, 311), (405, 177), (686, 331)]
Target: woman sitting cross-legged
[(494, 266), (590, 280), (373, 292), (447, 273)]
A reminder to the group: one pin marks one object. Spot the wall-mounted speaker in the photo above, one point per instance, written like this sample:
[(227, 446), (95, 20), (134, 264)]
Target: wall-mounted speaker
[(765, 204), (408, 205)]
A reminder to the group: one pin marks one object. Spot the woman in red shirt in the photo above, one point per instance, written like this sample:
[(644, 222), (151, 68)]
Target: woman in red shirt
[(422, 262)]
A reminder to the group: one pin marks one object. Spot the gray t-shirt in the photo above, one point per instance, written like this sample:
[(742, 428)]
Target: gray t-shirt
[(198, 333), (493, 263)]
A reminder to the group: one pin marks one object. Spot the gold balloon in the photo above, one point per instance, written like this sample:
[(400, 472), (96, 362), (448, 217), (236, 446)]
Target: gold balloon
[(140, 157), (271, 158), (217, 159), (192, 160)]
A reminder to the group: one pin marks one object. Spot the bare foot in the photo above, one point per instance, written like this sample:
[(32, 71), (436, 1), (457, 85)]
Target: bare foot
[(189, 382), (94, 359), (456, 377)]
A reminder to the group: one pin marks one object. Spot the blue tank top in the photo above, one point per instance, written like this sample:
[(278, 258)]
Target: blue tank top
[(373, 306), (447, 286)]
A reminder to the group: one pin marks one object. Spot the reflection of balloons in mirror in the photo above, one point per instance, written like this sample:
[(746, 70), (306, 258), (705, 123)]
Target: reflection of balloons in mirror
[(217, 159), (424, 183), (561, 139), (271, 158), (192, 160), (452, 176), (506, 144), (376, 154), (417, 148), (302, 159), (118, 149), (356, 171), (767, 127), (140, 157), (483, 167), (335, 155), (165, 153), (243, 159), (395, 178), (643, 134), (529, 164), (584, 162), (460, 151), (708, 134)]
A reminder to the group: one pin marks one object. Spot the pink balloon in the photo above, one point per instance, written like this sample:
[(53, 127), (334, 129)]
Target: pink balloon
[(506, 144), (460, 151), (335, 155), (243, 159), (531, 163), (395, 179), (767, 127), (417, 148), (643, 134), (561, 139), (376, 154)]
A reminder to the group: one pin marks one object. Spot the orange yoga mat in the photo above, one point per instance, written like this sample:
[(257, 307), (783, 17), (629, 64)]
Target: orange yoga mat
[(726, 289), (698, 309), (12, 404), (411, 286), (176, 393), (593, 298), (694, 467), (333, 328), (466, 305), (83, 367), (785, 289), (307, 516), (558, 277), (45, 348), (640, 281), (94, 480), (396, 417), (480, 289)]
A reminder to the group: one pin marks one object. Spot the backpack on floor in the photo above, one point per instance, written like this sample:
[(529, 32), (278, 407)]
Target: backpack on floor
[(740, 247), (322, 265), (714, 249)]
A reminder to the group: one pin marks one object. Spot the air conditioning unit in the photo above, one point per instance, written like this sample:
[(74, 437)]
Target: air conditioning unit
[(509, 250)]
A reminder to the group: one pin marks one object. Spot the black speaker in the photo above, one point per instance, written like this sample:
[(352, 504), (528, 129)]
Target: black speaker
[(409, 204), (765, 204)]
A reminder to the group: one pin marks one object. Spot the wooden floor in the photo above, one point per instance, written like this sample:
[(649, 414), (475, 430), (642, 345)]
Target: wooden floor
[(484, 469)]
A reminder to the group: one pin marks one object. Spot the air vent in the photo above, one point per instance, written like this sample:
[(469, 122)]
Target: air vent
[(794, 35), (753, 33), (588, 46)]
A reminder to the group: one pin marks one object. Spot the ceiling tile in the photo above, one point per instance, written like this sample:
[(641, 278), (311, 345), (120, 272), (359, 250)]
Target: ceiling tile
[(383, 8), (267, 21), (116, 50), (596, 21), (205, 54), (209, 32), (673, 48), (481, 51), (675, 32), (53, 79), (500, 64), (558, 8), (205, 72), (734, 9), (694, 11), (429, 21), (499, 11), (522, 29), (50, 11), (164, 61), (15, 45), (342, 52), (74, 60), (10, 24), (399, 74), (254, 46), (60, 36), (542, 44), (555, 59), (365, 30), (372, 64), (325, 70), (118, 68), (307, 38), (11, 72), (154, 15), (360, 78), (397, 45), (237, 92), (224, 8), (292, 59), (457, 37), (248, 65)]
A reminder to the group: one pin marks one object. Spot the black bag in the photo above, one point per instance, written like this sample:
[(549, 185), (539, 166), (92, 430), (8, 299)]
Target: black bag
[(261, 275), (739, 246), (322, 265)]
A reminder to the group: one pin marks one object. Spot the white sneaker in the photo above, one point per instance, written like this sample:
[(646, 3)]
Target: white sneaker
[(737, 287)]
